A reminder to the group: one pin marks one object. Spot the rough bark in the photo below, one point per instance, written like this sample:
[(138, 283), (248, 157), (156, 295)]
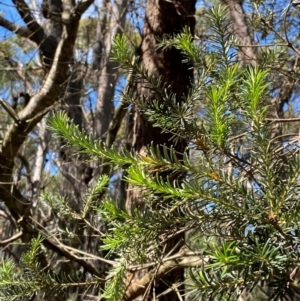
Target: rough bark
[(161, 18)]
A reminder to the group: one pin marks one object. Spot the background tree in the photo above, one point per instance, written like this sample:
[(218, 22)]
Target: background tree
[(161, 18), (56, 45)]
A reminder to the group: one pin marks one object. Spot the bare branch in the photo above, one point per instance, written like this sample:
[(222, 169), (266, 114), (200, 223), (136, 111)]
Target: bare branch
[(43, 140), (89, 268), (11, 239), (37, 107), (18, 71), (36, 31), (283, 120), (81, 8), (11, 112), (115, 122), (181, 260), (290, 44), (22, 31), (55, 245)]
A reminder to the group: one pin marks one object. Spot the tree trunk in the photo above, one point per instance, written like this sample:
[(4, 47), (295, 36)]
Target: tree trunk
[(241, 30), (107, 69), (161, 18), (39, 162), (72, 167)]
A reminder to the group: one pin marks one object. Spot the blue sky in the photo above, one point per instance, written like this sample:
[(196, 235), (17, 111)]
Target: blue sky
[(9, 11)]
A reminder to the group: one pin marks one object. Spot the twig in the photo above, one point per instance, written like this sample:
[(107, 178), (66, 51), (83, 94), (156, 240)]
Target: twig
[(56, 246), (56, 241), (174, 287), (285, 39), (11, 112), (88, 255), (118, 116), (285, 28), (93, 228), (283, 120), (260, 45), (178, 255), (137, 288), (152, 280), (11, 239), (37, 33)]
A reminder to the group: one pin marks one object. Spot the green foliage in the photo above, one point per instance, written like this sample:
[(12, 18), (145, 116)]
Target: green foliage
[(116, 286), (22, 282), (239, 190), (245, 199), (90, 200)]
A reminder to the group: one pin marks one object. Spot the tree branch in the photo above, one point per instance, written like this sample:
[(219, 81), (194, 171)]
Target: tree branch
[(18, 71), (38, 105), (3, 243), (283, 120), (116, 120), (22, 31), (56, 246), (36, 31), (81, 7), (181, 260)]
